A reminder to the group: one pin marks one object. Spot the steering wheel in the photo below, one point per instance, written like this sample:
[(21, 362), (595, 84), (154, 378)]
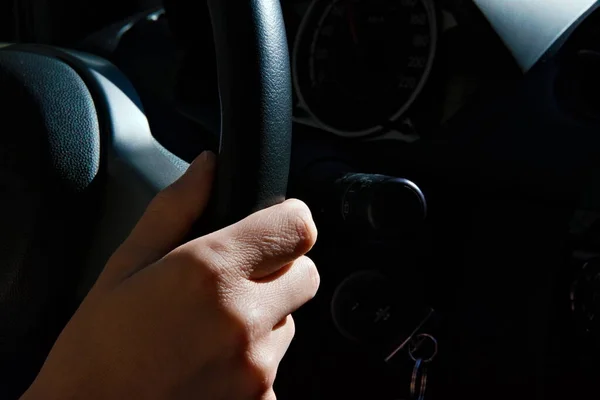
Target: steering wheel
[(82, 165)]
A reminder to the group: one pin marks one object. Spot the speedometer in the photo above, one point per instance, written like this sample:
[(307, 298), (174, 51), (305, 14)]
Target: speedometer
[(361, 63)]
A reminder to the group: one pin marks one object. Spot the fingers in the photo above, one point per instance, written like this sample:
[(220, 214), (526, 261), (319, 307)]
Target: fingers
[(167, 220), (259, 263), (288, 290), (261, 244), (270, 395), (266, 355), (279, 342)]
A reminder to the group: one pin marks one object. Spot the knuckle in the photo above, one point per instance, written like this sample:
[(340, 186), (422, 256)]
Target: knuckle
[(238, 329), (217, 253), (193, 273), (256, 322), (301, 224), (273, 243), (261, 373), (247, 323), (313, 276), (226, 258), (203, 277), (291, 326), (269, 396)]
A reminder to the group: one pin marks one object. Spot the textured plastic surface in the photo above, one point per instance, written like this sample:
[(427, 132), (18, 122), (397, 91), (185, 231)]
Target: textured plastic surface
[(71, 126), (256, 104), (49, 165), (530, 27), (138, 167)]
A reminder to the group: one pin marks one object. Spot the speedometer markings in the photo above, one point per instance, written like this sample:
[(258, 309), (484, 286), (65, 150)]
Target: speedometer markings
[(359, 64)]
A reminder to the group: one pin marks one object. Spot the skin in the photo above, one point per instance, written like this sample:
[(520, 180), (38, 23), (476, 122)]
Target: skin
[(210, 319)]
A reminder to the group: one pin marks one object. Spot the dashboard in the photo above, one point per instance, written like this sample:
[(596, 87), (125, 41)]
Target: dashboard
[(388, 68), (363, 70)]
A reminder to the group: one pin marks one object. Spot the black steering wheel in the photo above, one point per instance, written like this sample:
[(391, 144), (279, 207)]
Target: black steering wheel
[(78, 164)]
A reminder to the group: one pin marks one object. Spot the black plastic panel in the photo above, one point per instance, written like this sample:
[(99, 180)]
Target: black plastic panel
[(136, 166)]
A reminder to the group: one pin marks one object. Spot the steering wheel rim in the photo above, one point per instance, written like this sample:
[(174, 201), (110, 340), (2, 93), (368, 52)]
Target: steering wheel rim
[(256, 107)]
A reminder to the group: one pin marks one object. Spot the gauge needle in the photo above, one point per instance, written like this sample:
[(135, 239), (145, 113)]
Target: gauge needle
[(352, 23)]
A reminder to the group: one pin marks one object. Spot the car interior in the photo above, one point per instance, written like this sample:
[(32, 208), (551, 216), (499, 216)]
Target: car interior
[(449, 151)]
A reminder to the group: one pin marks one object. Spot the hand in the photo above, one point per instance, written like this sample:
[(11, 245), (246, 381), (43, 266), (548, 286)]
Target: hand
[(206, 320)]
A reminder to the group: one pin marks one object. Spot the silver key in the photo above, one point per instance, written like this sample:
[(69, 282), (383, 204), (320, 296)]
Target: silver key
[(422, 350), (417, 390)]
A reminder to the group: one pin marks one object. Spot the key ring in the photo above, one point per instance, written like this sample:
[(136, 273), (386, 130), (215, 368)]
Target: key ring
[(416, 345)]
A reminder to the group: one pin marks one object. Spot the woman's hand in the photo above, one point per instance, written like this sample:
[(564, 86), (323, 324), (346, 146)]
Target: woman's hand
[(206, 320)]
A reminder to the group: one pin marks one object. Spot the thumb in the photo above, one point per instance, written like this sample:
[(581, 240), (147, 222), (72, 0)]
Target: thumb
[(165, 223)]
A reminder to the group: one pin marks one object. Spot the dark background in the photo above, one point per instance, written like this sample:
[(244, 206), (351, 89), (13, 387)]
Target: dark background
[(62, 22)]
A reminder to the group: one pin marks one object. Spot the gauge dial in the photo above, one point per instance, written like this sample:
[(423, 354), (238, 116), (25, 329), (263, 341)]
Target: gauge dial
[(360, 63)]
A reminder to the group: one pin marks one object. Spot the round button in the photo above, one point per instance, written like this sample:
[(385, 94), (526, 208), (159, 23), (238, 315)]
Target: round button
[(368, 307)]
